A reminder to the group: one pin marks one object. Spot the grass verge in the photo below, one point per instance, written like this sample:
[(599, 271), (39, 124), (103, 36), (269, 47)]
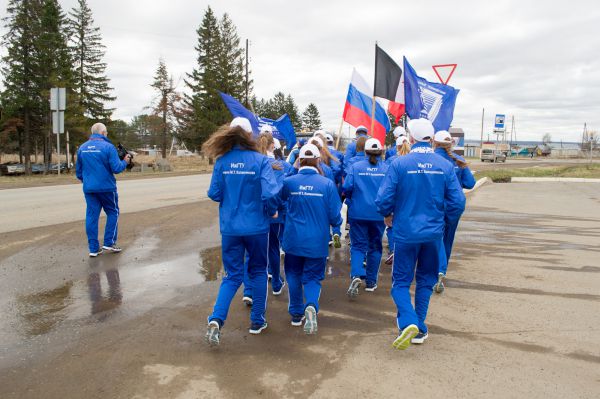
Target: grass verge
[(504, 175)]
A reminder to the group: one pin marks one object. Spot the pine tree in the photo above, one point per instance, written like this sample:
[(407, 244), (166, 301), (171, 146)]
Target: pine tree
[(231, 71), (311, 119), (91, 83), (21, 97), (292, 110), (166, 104)]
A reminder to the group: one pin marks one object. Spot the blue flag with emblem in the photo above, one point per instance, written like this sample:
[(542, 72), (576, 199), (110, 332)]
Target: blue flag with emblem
[(425, 99), (282, 127)]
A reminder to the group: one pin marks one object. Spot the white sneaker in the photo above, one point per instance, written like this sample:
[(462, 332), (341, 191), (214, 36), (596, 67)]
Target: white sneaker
[(112, 248), (354, 286), (277, 293), (247, 300), (310, 322), (94, 254)]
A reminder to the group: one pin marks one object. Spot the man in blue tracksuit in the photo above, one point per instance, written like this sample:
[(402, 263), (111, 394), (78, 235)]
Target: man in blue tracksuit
[(97, 162), (420, 192), (399, 131), (244, 185), (351, 148), (362, 182), (313, 205), (443, 147)]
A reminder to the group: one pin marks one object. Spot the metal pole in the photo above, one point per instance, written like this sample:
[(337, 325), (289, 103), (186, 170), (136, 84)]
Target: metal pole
[(373, 107), (58, 149), (68, 152), (482, 116)]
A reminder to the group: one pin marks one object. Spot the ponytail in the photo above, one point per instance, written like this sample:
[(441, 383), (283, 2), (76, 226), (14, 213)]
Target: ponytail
[(404, 149), (373, 156), (264, 142), (448, 148)]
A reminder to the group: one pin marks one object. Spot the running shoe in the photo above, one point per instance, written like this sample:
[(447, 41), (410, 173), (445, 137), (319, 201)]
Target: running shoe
[(310, 324), (354, 286), (213, 333), (94, 254), (112, 248), (269, 277), (256, 328), (337, 243), (277, 293), (297, 320), (439, 286), (404, 339), (370, 287), (247, 300), (420, 338)]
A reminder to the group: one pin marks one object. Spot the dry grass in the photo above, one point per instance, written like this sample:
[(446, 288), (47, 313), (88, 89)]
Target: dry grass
[(505, 175)]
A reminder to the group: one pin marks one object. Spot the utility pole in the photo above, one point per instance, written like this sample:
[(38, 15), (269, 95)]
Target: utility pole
[(512, 128), (482, 116)]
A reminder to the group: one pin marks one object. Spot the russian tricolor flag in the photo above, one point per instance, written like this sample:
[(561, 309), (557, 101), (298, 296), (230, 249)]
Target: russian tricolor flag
[(357, 110)]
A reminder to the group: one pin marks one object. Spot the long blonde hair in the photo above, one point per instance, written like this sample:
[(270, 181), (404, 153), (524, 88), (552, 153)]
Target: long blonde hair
[(326, 156), (448, 147), (264, 143), (360, 144), (404, 149), (225, 138)]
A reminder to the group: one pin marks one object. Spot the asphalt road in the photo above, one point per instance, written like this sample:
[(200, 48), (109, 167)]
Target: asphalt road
[(519, 317), (25, 208)]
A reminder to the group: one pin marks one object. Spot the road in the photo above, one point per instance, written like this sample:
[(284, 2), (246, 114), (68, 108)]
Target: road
[(519, 317), (25, 208)]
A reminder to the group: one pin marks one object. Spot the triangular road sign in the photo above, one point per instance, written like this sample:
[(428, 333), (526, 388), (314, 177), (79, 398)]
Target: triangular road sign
[(444, 68)]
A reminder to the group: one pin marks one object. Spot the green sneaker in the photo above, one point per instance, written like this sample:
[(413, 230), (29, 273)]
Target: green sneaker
[(404, 339), (310, 324), (337, 242)]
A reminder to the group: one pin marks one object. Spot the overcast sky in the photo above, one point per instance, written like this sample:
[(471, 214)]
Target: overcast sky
[(538, 61)]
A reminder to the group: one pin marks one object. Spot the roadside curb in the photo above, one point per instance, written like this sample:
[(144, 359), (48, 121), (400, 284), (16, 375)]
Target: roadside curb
[(480, 182), (553, 180)]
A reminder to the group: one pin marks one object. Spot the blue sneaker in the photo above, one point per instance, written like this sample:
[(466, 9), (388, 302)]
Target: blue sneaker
[(371, 287), (419, 338), (256, 328), (280, 290), (297, 320)]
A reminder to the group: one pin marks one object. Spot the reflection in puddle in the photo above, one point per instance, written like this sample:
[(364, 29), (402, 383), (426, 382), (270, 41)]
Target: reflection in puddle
[(101, 303), (42, 311), (211, 263)]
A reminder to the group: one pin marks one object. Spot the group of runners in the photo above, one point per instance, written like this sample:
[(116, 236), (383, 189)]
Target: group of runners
[(270, 206)]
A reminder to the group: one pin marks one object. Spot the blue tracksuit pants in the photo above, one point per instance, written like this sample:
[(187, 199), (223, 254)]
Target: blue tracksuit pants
[(233, 249), (304, 276), (109, 201), (275, 236), (365, 237), (449, 232), (426, 257)]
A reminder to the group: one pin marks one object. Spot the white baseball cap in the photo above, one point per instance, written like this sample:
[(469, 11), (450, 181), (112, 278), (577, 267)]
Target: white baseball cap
[(361, 128), (276, 143), (401, 140), (443, 137), (329, 138), (314, 152), (318, 140), (399, 131), (320, 131), (244, 123), (266, 129), (373, 145), (421, 129)]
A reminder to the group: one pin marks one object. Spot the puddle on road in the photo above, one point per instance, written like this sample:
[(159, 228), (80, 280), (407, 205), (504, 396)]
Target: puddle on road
[(41, 311)]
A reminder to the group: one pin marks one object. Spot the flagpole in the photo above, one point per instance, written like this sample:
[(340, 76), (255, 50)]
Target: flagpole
[(373, 107), (337, 142)]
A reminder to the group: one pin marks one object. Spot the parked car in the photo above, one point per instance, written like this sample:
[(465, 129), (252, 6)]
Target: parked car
[(12, 168), (488, 154)]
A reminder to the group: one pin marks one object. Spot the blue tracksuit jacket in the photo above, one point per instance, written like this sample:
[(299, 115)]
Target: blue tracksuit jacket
[(351, 150), (313, 205), (244, 185), (350, 161), (392, 151), (338, 154), (361, 185), (465, 176), (422, 191), (97, 162)]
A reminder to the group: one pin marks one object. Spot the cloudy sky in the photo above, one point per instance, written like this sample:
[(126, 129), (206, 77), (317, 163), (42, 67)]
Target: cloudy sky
[(538, 61)]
